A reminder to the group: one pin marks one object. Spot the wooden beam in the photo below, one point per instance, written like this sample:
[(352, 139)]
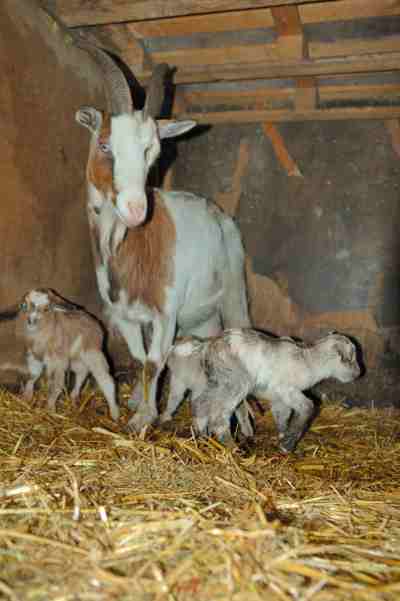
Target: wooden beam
[(270, 95), (306, 93), (348, 9), (271, 70), (280, 150), (257, 116), (355, 46), (199, 57), (256, 18), (217, 23), (288, 48), (290, 32), (94, 12)]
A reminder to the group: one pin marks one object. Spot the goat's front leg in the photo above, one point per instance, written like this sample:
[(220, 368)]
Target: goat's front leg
[(131, 333), (303, 410), (163, 334), (177, 389), (35, 368)]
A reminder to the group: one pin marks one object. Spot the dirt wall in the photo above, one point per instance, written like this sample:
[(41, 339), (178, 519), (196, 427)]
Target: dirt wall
[(323, 246), (43, 225)]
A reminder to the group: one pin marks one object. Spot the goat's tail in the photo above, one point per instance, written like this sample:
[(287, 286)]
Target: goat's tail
[(235, 310)]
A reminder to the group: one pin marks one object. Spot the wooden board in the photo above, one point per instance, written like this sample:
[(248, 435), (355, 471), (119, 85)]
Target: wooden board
[(216, 23), (269, 94), (356, 46), (257, 18), (257, 116), (278, 69), (94, 12)]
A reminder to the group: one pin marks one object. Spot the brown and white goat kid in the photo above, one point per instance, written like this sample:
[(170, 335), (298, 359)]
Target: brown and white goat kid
[(169, 259), (221, 371), (59, 336)]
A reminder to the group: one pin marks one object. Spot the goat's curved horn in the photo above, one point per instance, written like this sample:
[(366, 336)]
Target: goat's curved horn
[(117, 90), (155, 91)]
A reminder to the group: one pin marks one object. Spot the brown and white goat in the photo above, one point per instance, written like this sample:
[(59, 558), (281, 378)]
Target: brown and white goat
[(170, 259), (59, 336)]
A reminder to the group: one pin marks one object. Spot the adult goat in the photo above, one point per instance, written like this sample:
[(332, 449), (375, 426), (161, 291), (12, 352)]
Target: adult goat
[(170, 259)]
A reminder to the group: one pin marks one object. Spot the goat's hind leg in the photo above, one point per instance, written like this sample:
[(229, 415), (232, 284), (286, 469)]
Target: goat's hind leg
[(97, 364), (56, 376), (81, 372)]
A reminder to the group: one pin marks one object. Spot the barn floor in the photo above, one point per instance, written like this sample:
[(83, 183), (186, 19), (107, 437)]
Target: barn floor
[(90, 513)]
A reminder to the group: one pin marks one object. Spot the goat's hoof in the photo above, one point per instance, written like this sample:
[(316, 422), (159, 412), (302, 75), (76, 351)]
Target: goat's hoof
[(139, 421), (288, 445), (227, 440)]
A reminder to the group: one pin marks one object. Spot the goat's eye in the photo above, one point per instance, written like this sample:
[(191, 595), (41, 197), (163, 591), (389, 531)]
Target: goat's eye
[(23, 306), (105, 147)]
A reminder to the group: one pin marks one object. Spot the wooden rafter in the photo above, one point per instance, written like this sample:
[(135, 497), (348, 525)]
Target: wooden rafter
[(272, 95), (260, 116), (371, 63), (240, 20), (81, 12)]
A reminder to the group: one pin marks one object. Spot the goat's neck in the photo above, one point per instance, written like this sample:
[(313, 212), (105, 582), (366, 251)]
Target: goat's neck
[(318, 362), (106, 225)]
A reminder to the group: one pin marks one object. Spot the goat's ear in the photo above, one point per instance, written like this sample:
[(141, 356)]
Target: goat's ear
[(89, 118), (169, 129)]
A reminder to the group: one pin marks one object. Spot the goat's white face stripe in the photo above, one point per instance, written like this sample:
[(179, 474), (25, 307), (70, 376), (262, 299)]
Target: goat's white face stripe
[(39, 299), (135, 145)]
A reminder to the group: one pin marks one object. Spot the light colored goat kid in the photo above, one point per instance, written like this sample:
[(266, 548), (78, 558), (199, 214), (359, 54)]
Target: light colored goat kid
[(169, 259), (58, 336), (223, 370)]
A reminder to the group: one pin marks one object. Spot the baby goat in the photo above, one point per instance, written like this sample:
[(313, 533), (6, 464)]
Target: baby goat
[(223, 370), (59, 336)]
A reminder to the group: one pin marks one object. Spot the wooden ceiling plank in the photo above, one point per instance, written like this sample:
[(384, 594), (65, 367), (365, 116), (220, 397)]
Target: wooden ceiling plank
[(326, 94), (344, 10), (198, 57), (216, 23), (318, 50), (75, 13), (270, 70), (255, 97), (278, 115), (257, 53)]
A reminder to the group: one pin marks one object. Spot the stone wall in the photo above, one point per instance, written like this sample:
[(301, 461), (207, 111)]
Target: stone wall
[(323, 245)]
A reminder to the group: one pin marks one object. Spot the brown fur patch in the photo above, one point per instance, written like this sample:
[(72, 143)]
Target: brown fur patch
[(99, 169), (143, 264)]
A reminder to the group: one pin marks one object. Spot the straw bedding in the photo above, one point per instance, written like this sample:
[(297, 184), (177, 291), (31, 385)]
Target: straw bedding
[(90, 513)]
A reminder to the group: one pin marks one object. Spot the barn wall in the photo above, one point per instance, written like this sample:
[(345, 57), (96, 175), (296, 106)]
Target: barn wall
[(43, 227), (323, 249)]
